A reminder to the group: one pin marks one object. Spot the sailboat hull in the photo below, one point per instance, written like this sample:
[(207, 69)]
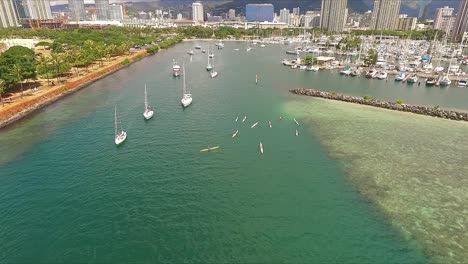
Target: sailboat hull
[(186, 102), (120, 138), (148, 114)]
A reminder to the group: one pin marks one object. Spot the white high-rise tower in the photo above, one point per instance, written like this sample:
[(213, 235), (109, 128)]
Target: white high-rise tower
[(197, 12)]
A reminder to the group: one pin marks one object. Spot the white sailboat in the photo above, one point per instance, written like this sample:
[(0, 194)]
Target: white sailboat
[(296, 121), (209, 67), (254, 125), (148, 113), (237, 118), (243, 120), (119, 137), (187, 97), (269, 124), (210, 53), (261, 147), (297, 133), (213, 72)]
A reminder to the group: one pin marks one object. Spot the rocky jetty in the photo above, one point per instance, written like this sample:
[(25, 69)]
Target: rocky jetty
[(399, 106)]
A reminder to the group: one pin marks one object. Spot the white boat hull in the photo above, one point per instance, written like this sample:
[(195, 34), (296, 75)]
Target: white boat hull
[(119, 139), (186, 101), (148, 114), (214, 74)]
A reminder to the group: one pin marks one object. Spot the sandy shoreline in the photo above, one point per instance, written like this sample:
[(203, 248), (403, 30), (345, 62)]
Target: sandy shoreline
[(46, 95)]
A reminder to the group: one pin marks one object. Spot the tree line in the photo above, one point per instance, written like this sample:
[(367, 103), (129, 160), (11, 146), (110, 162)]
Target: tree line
[(71, 52)]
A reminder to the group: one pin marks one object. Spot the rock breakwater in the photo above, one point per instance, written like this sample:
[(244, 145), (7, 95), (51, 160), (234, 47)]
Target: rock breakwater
[(398, 106)]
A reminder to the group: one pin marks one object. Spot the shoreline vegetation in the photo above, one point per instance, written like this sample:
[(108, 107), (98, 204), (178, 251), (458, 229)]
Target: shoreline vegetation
[(71, 68), (398, 105)]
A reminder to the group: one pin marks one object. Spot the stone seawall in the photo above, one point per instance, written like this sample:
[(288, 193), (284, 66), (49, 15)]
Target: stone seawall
[(421, 110)]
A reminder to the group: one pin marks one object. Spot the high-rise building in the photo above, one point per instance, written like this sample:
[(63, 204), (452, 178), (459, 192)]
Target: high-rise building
[(8, 16), (115, 12), (231, 14), (440, 13), (77, 10), (259, 12), (461, 23), (284, 16), (296, 11), (312, 19), (36, 9), (197, 12), (406, 23), (102, 9), (333, 15), (179, 16), (385, 14)]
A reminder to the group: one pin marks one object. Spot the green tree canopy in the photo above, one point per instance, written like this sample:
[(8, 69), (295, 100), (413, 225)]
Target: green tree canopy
[(24, 58)]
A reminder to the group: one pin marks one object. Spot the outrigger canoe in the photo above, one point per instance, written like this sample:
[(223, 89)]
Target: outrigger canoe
[(208, 149)]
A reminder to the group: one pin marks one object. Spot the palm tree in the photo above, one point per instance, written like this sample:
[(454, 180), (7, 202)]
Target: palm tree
[(57, 60), (2, 89), (44, 66), (17, 73)]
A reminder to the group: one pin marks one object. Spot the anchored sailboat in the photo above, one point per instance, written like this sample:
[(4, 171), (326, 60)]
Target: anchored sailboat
[(187, 97), (213, 72), (148, 109), (119, 137)]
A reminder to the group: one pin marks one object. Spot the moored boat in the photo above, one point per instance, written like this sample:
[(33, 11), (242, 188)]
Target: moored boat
[(400, 76)]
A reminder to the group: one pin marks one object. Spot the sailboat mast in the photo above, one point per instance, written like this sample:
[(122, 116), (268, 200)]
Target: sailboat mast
[(115, 120), (183, 69), (146, 99)]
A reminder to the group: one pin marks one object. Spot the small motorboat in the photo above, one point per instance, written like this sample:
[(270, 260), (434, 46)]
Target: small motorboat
[(293, 52), (243, 120), (297, 123), (297, 133), (462, 83), (190, 52), (294, 66), (431, 81), (203, 51), (303, 67), (269, 124), (382, 75), (313, 68), (400, 77), (197, 47), (237, 118), (261, 147), (213, 74), (254, 125), (236, 49)]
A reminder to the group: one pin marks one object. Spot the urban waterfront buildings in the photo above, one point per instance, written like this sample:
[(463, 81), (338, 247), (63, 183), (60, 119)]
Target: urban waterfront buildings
[(385, 14), (461, 23), (35, 9), (231, 14), (444, 19), (312, 19), (115, 12), (284, 16), (333, 15), (296, 11), (197, 12), (259, 12), (77, 10), (102, 9), (406, 23), (8, 17)]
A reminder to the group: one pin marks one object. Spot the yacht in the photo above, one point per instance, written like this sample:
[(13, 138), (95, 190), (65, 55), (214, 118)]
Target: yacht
[(371, 73), (303, 67), (119, 137), (148, 113), (213, 72), (175, 69), (400, 76), (313, 68), (197, 47), (209, 67), (431, 81), (190, 52), (293, 52), (413, 79), (462, 83), (382, 75), (445, 81), (355, 72), (346, 71), (186, 97)]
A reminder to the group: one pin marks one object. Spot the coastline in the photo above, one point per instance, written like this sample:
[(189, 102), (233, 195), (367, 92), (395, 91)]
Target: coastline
[(397, 106), (9, 114)]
